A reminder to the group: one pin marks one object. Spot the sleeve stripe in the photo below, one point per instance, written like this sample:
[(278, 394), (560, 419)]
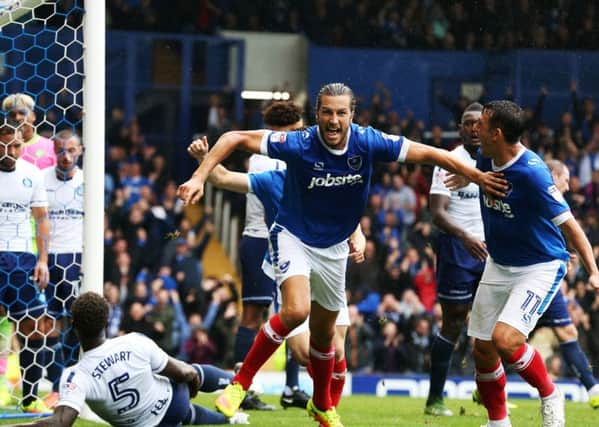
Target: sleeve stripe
[(163, 364), (250, 189), (264, 144), (440, 191), (561, 218), (403, 152), (69, 404)]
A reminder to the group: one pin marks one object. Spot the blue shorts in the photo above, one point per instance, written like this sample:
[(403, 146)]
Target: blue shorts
[(458, 273), (257, 287), (557, 313), (65, 278), (179, 408), (18, 294)]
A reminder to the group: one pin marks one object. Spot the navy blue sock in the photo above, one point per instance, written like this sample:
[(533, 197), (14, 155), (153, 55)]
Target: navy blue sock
[(32, 359), (243, 341), (199, 415), (441, 352), (578, 363), (291, 371), (212, 378), (55, 361)]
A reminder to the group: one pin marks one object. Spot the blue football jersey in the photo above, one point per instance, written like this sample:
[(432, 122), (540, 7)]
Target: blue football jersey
[(522, 228), (326, 191), (268, 187)]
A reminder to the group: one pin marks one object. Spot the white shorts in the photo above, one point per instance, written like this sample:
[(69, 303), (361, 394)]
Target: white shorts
[(342, 320), (517, 296), (324, 267)]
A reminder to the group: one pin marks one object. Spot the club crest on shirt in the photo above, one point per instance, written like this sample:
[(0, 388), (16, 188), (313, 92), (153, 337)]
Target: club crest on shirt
[(278, 137), (79, 191), (27, 182), (354, 162), (510, 188)]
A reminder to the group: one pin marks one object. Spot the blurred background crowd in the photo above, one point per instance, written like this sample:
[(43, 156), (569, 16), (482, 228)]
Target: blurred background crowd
[(431, 24)]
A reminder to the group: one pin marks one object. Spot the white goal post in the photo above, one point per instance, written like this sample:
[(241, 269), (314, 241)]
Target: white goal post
[(94, 36)]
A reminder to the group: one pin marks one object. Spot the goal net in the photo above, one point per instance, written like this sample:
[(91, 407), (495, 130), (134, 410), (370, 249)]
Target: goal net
[(42, 85)]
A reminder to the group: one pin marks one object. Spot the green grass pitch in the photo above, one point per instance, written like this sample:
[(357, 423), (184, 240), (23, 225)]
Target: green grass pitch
[(369, 411)]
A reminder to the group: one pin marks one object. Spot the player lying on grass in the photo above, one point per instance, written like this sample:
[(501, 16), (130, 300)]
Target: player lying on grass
[(268, 187), (129, 380)]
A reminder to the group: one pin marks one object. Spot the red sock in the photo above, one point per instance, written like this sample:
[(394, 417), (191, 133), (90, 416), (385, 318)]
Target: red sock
[(491, 386), (322, 361), (528, 363), (338, 381), (309, 370), (268, 339)]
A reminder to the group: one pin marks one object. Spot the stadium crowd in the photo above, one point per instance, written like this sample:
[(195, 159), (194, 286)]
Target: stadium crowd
[(156, 286), (558, 24)]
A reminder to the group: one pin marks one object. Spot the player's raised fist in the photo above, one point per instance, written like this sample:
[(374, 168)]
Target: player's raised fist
[(198, 148)]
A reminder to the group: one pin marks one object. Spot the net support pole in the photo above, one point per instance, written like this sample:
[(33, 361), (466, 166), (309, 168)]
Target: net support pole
[(94, 37)]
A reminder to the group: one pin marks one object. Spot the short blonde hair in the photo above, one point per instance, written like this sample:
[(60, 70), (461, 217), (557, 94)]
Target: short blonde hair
[(18, 101)]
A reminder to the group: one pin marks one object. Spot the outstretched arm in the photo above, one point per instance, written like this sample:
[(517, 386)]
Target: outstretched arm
[(220, 176), (578, 240), (491, 183), (193, 190)]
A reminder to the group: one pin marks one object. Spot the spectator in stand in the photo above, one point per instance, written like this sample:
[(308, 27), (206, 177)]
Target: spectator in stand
[(359, 342), (419, 345), (186, 262), (135, 321), (389, 351), (199, 348), (162, 318), (115, 313)]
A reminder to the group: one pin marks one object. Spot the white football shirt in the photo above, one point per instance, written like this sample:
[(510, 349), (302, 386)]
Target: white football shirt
[(65, 210), (255, 226), (118, 381), (464, 205), (20, 190)]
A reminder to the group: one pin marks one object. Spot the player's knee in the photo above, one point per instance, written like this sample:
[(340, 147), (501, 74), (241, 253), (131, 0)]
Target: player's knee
[(294, 316), (507, 342), (452, 328)]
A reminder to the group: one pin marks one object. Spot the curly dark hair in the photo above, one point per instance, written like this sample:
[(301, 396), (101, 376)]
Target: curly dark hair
[(90, 314), (281, 114)]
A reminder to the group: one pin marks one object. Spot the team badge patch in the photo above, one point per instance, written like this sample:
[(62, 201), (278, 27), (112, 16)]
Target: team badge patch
[(27, 182), (278, 137), (354, 162)]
